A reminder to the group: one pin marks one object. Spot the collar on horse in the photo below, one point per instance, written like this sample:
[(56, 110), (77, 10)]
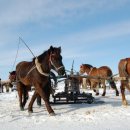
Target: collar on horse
[(39, 68), (90, 70)]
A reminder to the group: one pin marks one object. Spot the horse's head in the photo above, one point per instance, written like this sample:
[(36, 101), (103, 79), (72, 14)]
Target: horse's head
[(85, 68), (82, 69), (12, 76), (55, 59)]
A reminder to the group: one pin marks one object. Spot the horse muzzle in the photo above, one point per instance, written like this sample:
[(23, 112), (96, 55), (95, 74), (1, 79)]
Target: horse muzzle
[(61, 70)]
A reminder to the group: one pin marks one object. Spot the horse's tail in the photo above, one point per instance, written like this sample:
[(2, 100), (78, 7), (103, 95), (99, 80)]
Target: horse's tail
[(111, 80), (122, 67), (112, 83), (123, 71)]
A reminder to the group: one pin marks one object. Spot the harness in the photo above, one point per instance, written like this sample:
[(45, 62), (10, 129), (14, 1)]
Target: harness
[(39, 68), (90, 70)]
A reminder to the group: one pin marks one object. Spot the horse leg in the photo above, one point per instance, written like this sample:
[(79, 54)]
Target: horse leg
[(104, 88), (43, 95), (7, 89), (36, 95), (30, 110), (38, 100), (122, 87), (2, 88), (94, 87), (47, 91), (20, 93), (25, 95), (97, 88)]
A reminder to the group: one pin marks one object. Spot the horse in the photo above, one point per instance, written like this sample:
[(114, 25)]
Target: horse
[(12, 76), (36, 73), (124, 71), (101, 72), (7, 85)]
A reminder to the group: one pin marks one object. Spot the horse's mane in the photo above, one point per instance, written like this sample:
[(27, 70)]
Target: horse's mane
[(88, 65), (42, 56), (12, 72)]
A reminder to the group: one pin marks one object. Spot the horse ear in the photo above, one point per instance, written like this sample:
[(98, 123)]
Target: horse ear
[(60, 49), (51, 48)]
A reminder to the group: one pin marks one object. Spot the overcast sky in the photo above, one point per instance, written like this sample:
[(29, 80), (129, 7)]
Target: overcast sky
[(96, 32)]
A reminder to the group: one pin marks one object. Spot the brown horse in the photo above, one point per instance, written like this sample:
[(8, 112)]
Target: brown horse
[(12, 76), (102, 72), (36, 73), (124, 71)]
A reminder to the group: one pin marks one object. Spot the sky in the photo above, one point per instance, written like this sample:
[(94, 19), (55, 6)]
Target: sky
[(95, 32)]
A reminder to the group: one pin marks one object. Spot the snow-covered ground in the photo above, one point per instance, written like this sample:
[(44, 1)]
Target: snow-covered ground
[(110, 115)]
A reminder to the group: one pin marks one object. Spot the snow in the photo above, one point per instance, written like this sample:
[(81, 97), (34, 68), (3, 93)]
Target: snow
[(110, 115)]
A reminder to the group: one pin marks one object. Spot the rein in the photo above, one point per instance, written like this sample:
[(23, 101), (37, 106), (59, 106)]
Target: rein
[(20, 39)]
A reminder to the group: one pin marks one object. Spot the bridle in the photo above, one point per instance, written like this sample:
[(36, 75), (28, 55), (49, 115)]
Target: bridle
[(50, 60)]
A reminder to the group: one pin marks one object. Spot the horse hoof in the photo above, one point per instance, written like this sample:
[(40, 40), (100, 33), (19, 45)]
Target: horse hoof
[(94, 90), (124, 103), (39, 104), (21, 108), (30, 111), (103, 94), (117, 94), (97, 94), (27, 97), (52, 114)]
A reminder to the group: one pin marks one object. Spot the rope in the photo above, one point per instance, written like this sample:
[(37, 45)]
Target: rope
[(114, 75), (16, 55), (26, 46), (20, 39)]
